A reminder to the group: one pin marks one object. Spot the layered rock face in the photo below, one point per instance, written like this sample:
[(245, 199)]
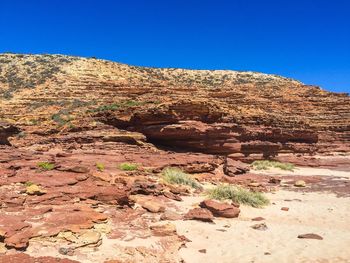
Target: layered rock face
[(68, 124), (218, 112)]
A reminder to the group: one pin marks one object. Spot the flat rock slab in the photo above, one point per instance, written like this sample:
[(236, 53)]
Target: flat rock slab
[(24, 258), (170, 215), (159, 229), (150, 203), (201, 214)]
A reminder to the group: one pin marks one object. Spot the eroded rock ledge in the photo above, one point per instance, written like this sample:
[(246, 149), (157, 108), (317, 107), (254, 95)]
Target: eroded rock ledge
[(7, 130), (221, 112)]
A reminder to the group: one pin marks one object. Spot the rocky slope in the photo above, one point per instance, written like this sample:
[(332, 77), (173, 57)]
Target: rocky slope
[(220, 112)]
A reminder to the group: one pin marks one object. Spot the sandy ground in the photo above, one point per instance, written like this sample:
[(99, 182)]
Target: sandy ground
[(233, 240), (306, 171)]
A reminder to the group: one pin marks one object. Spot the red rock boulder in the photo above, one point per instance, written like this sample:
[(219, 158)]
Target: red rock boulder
[(234, 167), (220, 209), (201, 214)]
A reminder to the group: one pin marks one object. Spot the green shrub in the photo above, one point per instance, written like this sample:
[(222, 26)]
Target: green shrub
[(267, 164), (128, 166), (100, 167), (132, 103), (29, 183), (109, 107), (238, 195), (177, 176), (62, 117), (46, 165)]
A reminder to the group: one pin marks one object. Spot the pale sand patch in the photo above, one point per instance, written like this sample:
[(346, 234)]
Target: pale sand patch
[(305, 171), (322, 214)]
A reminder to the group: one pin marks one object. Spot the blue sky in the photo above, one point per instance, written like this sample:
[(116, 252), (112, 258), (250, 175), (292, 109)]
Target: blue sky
[(303, 39)]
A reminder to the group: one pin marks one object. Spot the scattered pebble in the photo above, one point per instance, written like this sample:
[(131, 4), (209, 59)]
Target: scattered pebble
[(300, 183), (66, 251), (261, 226), (259, 218), (34, 190), (310, 236), (291, 200)]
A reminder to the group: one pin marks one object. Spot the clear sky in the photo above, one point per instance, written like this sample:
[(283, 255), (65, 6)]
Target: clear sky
[(308, 40)]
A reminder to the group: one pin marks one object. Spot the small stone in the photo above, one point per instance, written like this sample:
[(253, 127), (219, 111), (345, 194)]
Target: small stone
[(261, 227), (285, 208), (274, 180), (254, 184), (234, 167), (185, 239), (172, 196), (89, 238), (177, 189), (149, 203), (160, 229), (170, 215), (300, 183), (202, 251), (81, 177), (34, 190), (153, 206), (259, 218), (220, 209), (66, 251), (201, 214), (79, 169), (62, 154), (310, 236)]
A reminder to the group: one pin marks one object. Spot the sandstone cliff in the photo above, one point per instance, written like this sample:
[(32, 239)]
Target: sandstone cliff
[(218, 112)]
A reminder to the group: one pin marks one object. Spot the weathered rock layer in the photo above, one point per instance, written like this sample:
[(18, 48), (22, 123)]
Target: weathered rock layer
[(220, 112)]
